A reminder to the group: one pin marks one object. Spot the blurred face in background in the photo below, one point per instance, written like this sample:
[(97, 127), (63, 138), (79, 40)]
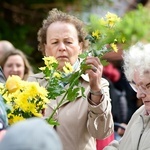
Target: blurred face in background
[(14, 65)]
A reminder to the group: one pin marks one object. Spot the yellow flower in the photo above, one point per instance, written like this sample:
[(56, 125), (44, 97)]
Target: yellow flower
[(114, 47), (102, 22), (37, 114), (67, 68), (32, 90), (57, 75), (1, 88), (13, 83), (42, 93), (123, 39), (96, 34), (15, 118), (21, 102), (49, 61), (112, 19), (42, 68), (1, 85)]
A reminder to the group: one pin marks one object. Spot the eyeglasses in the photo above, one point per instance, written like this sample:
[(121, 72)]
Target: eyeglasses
[(143, 88)]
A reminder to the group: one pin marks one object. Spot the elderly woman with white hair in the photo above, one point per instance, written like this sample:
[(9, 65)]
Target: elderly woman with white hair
[(137, 71)]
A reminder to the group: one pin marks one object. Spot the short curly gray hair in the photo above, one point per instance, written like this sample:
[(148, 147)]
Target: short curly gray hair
[(54, 16), (136, 59)]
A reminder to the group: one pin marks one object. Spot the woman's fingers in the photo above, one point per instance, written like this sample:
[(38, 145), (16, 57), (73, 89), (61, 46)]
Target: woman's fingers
[(94, 69)]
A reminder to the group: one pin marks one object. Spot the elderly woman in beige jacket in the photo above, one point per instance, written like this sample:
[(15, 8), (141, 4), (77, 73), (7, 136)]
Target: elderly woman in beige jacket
[(85, 119)]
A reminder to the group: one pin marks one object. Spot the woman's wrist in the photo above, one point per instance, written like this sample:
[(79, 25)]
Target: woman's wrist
[(95, 97), (96, 93)]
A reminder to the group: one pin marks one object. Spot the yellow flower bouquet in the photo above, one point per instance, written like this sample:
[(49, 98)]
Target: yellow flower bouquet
[(23, 99)]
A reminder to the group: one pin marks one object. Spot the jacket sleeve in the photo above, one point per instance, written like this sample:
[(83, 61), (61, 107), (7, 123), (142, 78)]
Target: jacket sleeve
[(2, 77), (100, 121)]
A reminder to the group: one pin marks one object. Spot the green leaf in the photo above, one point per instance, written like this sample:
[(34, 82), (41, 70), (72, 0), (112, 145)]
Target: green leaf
[(82, 91), (83, 55), (52, 122), (73, 78), (73, 93), (104, 62)]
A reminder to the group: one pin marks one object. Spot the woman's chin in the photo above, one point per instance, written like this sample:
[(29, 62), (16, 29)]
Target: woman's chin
[(61, 64), (147, 108)]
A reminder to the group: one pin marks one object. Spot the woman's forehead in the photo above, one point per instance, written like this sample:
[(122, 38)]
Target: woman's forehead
[(141, 78)]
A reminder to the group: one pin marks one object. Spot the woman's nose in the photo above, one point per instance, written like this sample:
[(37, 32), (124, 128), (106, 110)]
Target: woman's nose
[(62, 46), (14, 68), (140, 94)]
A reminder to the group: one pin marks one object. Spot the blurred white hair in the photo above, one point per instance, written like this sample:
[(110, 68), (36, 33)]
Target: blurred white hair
[(136, 58)]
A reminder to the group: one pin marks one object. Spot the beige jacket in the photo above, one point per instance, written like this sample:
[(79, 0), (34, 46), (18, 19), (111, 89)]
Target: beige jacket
[(80, 122), (137, 134)]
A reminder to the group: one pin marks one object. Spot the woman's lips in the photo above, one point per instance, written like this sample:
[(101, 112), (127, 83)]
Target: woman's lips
[(62, 57), (146, 101)]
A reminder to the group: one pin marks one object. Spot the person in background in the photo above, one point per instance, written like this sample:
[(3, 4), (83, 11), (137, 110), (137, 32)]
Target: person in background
[(3, 118), (85, 119), (120, 82), (122, 112), (31, 134), (3, 114), (2, 77), (137, 70), (5, 46), (15, 62), (118, 99)]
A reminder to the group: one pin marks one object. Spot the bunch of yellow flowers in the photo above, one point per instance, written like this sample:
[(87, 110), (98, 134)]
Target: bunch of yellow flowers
[(28, 99), (23, 99)]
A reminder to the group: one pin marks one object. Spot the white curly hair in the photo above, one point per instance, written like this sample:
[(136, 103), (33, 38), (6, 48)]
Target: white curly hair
[(136, 58)]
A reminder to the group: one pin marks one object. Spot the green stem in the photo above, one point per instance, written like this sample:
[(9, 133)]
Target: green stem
[(51, 116), (59, 104)]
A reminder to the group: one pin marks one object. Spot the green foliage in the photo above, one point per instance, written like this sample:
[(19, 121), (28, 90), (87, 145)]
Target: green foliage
[(109, 32), (135, 26), (102, 35)]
